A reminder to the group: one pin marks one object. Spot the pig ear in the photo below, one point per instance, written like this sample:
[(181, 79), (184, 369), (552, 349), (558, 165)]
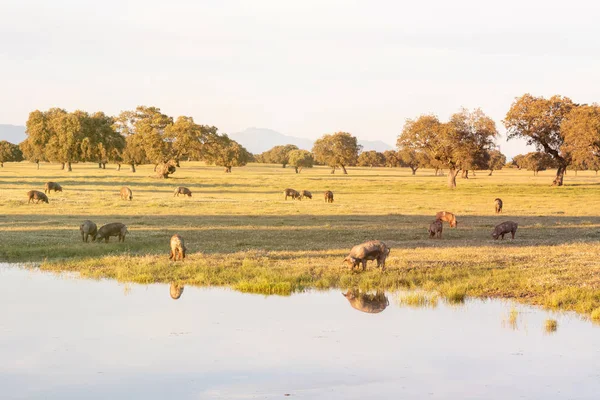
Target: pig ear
[(354, 259)]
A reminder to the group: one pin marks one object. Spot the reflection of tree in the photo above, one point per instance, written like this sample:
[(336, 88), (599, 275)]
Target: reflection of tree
[(176, 290), (371, 303)]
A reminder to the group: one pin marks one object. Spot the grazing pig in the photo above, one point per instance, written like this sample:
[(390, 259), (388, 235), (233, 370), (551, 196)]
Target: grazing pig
[(112, 229), (329, 196), (177, 247), (367, 302), (52, 186), (372, 250), (498, 203), (126, 193), (182, 190), (37, 196), (88, 228), (435, 229), (305, 193), (504, 228), (291, 193), (175, 290), (448, 217)]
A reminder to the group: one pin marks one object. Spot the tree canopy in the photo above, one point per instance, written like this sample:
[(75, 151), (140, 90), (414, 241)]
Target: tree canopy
[(539, 121), (497, 160), (457, 144), (371, 158), (9, 152), (277, 155), (226, 152), (300, 159), (337, 150)]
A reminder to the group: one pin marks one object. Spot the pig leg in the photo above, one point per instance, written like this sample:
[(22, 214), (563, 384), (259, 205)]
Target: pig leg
[(364, 264)]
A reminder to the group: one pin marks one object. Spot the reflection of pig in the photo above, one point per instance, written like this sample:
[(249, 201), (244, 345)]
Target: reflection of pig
[(88, 228), (175, 290), (366, 302), (372, 250), (112, 229), (504, 228), (177, 248)]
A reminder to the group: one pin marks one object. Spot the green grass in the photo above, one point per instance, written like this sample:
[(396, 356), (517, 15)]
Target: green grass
[(241, 233)]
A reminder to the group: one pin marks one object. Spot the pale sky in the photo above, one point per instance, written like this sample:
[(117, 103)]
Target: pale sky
[(303, 68)]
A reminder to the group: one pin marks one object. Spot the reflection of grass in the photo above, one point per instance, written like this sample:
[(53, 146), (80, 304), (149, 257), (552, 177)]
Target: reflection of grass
[(551, 325), (513, 319), (418, 299), (241, 233)]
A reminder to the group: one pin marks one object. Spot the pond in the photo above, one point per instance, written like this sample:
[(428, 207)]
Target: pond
[(67, 338)]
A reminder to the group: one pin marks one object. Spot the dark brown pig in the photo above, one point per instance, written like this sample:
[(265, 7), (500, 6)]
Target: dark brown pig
[(502, 229), (177, 248), (305, 193), (329, 196), (291, 193), (37, 196), (367, 302), (126, 193), (448, 217), (435, 229), (498, 203), (52, 186), (372, 250), (112, 229), (88, 228), (182, 190)]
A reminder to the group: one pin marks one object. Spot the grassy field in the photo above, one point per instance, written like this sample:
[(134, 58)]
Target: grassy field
[(241, 233)]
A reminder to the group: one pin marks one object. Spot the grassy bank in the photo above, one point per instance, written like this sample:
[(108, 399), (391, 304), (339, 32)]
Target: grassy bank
[(241, 233)]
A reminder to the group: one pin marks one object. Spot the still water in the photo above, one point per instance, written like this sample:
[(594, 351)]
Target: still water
[(68, 338)]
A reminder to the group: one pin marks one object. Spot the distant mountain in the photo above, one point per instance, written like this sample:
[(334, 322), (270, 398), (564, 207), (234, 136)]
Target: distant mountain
[(376, 145), (12, 133), (257, 140)]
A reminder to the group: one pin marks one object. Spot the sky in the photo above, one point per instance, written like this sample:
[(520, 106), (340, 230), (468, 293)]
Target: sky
[(302, 68)]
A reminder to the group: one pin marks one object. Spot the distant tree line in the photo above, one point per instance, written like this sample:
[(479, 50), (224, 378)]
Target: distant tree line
[(9, 152), (141, 136)]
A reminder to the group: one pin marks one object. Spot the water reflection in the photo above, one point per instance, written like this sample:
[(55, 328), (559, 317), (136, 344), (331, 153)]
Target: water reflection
[(372, 303), (176, 290), (222, 344)]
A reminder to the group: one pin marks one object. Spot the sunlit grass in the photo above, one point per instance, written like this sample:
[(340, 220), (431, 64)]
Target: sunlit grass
[(418, 299), (241, 233)]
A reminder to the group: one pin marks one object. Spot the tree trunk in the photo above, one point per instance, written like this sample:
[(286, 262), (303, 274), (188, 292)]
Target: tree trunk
[(333, 170), (69, 169), (62, 166), (283, 165), (132, 167), (436, 172), (177, 164), (38, 165), (465, 174), (344, 169), (560, 173), (155, 166), (118, 167), (164, 170), (414, 170), (103, 165), (2, 164), (296, 168), (452, 173), (100, 165), (490, 174), (227, 169)]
